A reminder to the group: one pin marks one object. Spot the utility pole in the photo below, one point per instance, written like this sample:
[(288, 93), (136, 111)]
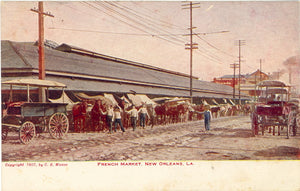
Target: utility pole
[(240, 43), (42, 73), (260, 69), (234, 66), (191, 45)]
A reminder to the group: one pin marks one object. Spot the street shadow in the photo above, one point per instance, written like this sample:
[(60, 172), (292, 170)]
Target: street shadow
[(238, 133), (279, 151)]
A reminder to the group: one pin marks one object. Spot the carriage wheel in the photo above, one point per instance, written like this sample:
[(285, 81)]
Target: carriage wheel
[(254, 128), (27, 132), (294, 130), (298, 120), (4, 133), (58, 125)]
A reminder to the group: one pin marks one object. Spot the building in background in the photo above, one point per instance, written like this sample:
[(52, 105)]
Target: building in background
[(248, 81)]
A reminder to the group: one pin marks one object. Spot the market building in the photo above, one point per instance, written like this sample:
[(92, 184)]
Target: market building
[(93, 73)]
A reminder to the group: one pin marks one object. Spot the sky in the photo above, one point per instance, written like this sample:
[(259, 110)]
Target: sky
[(155, 33)]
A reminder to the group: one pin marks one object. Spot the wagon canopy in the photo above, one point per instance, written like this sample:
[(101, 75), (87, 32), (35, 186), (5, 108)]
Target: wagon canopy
[(271, 83), (103, 99), (64, 99), (277, 91), (35, 82)]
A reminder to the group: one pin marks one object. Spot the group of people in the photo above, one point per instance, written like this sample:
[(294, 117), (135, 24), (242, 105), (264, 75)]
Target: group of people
[(114, 117)]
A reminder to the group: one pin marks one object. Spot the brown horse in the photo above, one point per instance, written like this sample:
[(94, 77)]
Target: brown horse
[(98, 120), (79, 116), (160, 111)]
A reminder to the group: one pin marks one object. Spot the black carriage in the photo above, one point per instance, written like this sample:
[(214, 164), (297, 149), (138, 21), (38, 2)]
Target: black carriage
[(274, 109), (29, 117)]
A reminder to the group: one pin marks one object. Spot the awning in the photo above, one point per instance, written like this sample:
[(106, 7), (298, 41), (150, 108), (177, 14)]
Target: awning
[(103, 99), (34, 82), (64, 99)]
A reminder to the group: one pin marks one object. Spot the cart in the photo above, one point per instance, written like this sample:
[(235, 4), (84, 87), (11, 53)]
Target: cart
[(274, 109), (29, 117)]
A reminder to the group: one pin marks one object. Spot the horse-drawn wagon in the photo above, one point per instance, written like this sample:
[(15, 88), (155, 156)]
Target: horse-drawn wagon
[(28, 117), (274, 109)]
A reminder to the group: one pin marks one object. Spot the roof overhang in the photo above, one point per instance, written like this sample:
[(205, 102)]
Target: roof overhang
[(34, 82)]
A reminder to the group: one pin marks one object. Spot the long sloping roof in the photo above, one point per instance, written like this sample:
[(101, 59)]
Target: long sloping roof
[(84, 72)]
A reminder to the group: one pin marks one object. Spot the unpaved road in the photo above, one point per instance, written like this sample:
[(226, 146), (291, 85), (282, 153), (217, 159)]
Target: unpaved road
[(230, 138)]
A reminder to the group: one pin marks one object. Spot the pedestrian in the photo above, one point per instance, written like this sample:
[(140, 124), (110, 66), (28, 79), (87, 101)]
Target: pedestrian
[(109, 116), (118, 119), (133, 116), (207, 117), (143, 113)]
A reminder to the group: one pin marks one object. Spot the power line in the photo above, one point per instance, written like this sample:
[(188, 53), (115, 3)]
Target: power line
[(136, 22), (117, 33), (214, 46), (143, 16), (133, 20), (149, 27), (153, 12), (209, 57), (149, 22)]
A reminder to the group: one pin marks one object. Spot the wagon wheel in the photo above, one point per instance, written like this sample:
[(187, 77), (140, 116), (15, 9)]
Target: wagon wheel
[(254, 128), (288, 131), (298, 119), (292, 124), (254, 123), (58, 125), (27, 132), (297, 122), (4, 133)]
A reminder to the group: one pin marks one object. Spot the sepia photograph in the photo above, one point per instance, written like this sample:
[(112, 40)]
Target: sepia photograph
[(150, 95)]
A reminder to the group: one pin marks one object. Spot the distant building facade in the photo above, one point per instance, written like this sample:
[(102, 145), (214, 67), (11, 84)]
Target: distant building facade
[(247, 82)]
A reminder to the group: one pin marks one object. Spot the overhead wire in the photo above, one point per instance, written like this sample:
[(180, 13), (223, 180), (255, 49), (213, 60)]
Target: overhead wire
[(155, 30), (136, 34), (153, 12), (136, 22), (214, 46), (211, 57), (161, 22)]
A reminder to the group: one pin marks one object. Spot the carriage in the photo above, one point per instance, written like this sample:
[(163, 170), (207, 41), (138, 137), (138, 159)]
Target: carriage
[(28, 117), (274, 109)]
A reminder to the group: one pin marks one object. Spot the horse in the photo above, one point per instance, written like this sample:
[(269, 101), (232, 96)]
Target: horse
[(160, 111), (98, 120), (79, 112)]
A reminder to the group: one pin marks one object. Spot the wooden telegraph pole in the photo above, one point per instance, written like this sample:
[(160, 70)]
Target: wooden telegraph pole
[(191, 45), (240, 43), (234, 66), (42, 73)]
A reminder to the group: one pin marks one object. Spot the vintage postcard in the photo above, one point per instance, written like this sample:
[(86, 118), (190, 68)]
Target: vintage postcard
[(150, 95)]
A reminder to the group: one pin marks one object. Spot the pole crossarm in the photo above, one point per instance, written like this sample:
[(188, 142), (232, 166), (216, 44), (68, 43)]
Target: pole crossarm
[(43, 13)]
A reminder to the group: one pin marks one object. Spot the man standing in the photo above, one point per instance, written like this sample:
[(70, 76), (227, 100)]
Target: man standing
[(144, 113), (207, 117), (109, 116), (118, 119), (133, 116)]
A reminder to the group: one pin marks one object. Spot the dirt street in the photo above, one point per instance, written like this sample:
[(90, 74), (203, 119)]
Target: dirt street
[(230, 138)]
